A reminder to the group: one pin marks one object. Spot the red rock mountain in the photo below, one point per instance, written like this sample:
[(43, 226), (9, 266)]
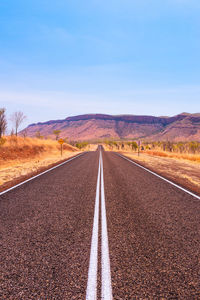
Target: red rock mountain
[(182, 127)]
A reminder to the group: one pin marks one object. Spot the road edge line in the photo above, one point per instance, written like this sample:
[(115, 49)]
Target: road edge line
[(161, 177), (44, 172)]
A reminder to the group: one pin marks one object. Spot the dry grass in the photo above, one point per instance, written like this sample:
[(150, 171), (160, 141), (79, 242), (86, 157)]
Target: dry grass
[(182, 150), (191, 157), (108, 148), (91, 147), (157, 153), (20, 157), (16, 148), (183, 171)]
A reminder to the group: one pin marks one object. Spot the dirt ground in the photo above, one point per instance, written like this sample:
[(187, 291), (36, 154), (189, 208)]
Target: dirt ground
[(29, 157), (183, 172), (14, 171)]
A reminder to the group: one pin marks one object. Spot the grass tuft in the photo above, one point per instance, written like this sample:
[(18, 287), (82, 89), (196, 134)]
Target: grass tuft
[(21, 148), (191, 157)]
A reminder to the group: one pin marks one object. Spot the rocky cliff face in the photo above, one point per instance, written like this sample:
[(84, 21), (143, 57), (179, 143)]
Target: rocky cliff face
[(98, 126)]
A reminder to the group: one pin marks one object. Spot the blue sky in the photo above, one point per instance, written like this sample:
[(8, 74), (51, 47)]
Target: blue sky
[(63, 58)]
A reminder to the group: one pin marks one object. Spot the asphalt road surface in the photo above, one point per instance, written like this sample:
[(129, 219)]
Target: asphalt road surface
[(99, 227)]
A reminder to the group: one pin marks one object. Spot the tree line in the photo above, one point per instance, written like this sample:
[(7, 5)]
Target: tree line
[(17, 118), (192, 147)]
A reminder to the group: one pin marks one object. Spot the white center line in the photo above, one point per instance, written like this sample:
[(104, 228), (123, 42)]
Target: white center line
[(106, 287), (91, 293)]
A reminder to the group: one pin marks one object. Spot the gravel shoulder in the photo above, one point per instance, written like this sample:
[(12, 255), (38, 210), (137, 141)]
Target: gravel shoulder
[(46, 227), (14, 172), (183, 172), (153, 231)]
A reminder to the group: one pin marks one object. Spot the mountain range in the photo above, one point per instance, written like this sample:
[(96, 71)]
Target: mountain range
[(182, 127)]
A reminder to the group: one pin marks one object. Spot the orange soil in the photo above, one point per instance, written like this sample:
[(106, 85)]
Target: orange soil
[(22, 148), (21, 157)]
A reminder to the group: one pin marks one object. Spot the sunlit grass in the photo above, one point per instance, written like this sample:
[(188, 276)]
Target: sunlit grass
[(192, 157), (22, 156), (15, 148)]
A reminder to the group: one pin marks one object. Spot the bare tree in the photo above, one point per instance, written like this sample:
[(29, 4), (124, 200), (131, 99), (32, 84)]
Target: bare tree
[(3, 121), (17, 119), (12, 132), (24, 133)]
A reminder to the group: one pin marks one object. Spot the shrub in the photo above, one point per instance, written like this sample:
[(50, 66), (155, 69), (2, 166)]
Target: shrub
[(2, 141)]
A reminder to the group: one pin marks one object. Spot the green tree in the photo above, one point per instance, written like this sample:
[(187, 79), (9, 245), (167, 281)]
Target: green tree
[(81, 145), (57, 133), (134, 146), (2, 141), (193, 147)]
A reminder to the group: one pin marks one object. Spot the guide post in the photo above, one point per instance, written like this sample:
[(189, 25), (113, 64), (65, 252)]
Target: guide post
[(138, 148), (61, 142)]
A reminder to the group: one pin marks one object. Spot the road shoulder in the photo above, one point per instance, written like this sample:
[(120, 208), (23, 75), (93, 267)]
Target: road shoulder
[(14, 175), (182, 172)]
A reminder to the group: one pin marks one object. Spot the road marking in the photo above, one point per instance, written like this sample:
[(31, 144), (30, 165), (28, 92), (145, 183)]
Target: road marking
[(106, 287), (23, 182), (91, 293), (161, 177)]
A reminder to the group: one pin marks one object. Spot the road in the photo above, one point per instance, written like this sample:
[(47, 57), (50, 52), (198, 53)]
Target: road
[(99, 227)]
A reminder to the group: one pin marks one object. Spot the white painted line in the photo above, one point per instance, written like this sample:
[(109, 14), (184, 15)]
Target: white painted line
[(161, 177), (91, 293), (21, 183), (106, 287)]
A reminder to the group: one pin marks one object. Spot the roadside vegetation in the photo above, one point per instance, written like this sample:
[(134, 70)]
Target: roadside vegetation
[(79, 145), (13, 145), (179, 162), (180, 150), (21, 155), (16, 148), (183, 150)]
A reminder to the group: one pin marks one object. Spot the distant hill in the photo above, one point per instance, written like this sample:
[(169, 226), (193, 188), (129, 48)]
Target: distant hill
[(182, 127)]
